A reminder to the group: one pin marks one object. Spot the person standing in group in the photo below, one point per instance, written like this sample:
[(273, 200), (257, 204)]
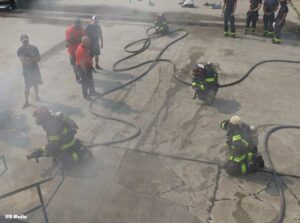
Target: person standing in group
[(30, 56), (280, 21), (252, 15), (73, 35), (228, 13), (84, 63), (94, 32), (270, 7)]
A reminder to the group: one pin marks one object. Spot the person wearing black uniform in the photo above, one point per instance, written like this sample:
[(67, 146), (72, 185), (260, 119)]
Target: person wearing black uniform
[(242, 140), (270, 7), (94, 32), (280, 21), (228, 13), (252, 15), (205, 78), (62, 145)]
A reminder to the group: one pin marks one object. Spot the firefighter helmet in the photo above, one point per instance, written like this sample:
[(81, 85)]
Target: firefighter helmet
[(41, 114), (198, 69), (236, 120)]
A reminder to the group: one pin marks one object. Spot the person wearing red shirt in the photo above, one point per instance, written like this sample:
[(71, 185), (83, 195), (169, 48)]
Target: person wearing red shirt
[(84, 63), (73, 35)]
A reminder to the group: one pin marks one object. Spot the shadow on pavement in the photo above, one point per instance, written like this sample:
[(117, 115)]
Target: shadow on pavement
[(13, 129), (118, 107), (115, 75), (106, 85), (226, 106)]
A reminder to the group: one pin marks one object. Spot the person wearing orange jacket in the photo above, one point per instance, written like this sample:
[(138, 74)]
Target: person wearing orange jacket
[(73, 36)]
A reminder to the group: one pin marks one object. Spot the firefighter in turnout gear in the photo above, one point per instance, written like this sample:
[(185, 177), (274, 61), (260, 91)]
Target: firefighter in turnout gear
[(61, 131), (242, 156), (160, 24), (205, 77)]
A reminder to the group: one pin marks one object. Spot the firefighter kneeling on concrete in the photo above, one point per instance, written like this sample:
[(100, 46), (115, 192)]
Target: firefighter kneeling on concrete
[(61, 130), (160, 24), (205, 77), (242, 140)]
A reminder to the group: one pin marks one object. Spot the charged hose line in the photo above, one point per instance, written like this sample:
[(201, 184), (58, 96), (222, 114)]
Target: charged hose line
[(246, 75), (277, 179), (146, 43)]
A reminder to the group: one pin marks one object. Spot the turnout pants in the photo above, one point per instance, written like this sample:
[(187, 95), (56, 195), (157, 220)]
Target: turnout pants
[(228, 18), (252, 18), (268, 22), (87, 81), (278, 28)]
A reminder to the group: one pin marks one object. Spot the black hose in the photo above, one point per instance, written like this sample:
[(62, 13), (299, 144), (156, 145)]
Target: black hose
[(246, 75), (277, 179), (146, 43)]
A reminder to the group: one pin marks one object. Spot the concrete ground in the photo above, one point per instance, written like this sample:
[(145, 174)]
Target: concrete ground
[(161, 176), (140, 9)]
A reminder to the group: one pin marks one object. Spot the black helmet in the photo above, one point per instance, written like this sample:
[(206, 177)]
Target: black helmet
[(41, 114)]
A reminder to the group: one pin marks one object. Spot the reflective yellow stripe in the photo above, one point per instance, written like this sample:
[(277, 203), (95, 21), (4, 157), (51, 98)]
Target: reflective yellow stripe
[(202, 87), (244, 141), (194, 84), (244, 168), (65, 131), (43, 148), (223, 125), (54, 138), (57, 137), (208, 80), (237, 159), (69, 144), (249, 156), (236, 138), (75, 156)]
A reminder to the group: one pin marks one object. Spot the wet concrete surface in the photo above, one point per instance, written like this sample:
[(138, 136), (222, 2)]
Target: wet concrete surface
[(158, 177)]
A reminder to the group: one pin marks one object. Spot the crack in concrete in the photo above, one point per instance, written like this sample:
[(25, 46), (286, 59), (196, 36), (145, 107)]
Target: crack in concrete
[(292, 192), (213, 198), (254, 195), (265, 188), (171, 189)]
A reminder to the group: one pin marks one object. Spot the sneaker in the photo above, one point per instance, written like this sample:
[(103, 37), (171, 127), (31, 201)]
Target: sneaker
[(265, 33), (88, 98), (98, 67), (26, 104), (94, 93), (276, 41), (226, 34), (232, 35), (270, 34)]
